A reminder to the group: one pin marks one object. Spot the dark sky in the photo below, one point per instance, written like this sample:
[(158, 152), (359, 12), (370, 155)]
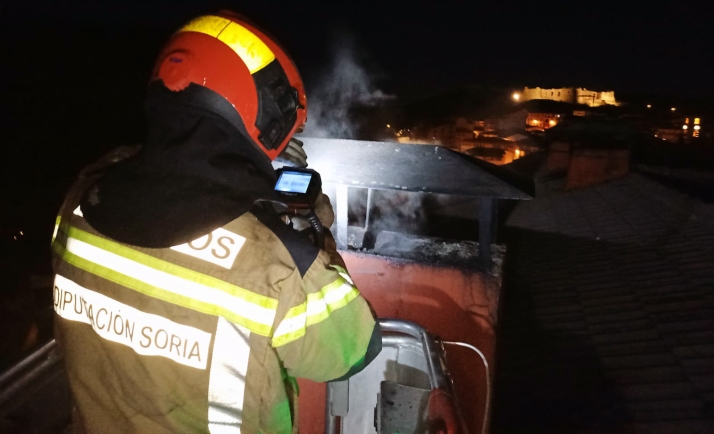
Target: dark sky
[(73, 73), (425, 47)]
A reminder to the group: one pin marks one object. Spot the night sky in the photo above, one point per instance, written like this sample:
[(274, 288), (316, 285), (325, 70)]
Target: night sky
[(426, 47), (73, 73)]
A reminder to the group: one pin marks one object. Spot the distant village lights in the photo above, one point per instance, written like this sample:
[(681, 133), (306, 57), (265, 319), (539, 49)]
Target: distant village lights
[(649, 105), (674, 109), (695, 129)]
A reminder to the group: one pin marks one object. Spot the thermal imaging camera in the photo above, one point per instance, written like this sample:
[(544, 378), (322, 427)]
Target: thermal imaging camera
[(299, 188)]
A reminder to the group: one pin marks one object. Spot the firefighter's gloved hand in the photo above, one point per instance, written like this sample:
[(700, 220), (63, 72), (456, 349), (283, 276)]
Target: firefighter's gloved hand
[(292, 156), (324, 211)]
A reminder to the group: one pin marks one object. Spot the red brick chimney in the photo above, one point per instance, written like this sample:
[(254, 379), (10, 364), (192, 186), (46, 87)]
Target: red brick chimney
[(558, 157), (592, 166)]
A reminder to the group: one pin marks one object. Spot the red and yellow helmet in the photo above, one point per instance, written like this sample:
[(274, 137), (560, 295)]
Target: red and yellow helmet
[(224, 55)]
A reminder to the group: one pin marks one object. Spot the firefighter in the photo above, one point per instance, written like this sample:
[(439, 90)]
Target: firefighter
[(183, 304)]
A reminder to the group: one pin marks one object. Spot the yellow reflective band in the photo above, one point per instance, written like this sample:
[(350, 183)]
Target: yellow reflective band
[(210, 25), (338, 268), (315, 309), (246, 44), (169, 282), (342, 272)]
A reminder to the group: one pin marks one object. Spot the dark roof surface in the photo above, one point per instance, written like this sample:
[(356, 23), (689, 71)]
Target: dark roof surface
[(608, 312)]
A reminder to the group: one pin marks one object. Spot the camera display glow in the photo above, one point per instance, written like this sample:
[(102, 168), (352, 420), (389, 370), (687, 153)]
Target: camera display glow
[(293, 182)]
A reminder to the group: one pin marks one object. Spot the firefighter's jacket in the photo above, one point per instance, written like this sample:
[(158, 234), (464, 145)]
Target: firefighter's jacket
[(205, 336)]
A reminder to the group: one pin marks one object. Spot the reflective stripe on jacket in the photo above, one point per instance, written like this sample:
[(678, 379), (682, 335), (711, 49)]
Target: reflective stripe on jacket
[(202, 337)]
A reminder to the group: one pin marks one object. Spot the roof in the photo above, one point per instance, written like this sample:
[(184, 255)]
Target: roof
[(486, 152), (608, 319), (517, 137), (492, 140), (596, 132), (408, 167)]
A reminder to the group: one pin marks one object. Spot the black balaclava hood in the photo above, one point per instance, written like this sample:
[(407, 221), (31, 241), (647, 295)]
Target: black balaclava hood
[(195, 173)]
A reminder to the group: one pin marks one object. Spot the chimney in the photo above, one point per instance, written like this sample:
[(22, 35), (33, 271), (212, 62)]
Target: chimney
[(558, 157), (592, 166)]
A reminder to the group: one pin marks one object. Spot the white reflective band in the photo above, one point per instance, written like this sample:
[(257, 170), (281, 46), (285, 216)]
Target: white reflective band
[(145, 333), (346, 277), (226, 384), (171, 283), (57, 225), (220, 247), (315, 311), (291, 325)]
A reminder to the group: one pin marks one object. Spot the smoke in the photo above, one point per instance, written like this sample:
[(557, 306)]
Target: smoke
[(412, 215), (397, 211), (344, 86)]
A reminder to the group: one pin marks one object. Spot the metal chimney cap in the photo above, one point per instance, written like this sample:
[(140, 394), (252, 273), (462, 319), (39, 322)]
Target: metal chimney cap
[(412, 168)]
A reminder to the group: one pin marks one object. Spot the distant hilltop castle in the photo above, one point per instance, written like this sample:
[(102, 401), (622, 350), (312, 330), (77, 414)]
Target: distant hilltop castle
[(571, 95)]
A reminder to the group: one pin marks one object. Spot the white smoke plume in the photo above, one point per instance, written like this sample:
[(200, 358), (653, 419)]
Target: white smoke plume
[(345, 85), (397, 211)]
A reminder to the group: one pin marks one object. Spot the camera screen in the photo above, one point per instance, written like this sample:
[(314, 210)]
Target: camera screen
[(293, 182)]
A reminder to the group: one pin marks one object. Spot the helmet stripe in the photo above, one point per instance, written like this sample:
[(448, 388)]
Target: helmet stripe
[(247, 45)]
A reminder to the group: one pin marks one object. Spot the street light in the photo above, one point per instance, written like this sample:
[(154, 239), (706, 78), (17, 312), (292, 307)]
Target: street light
[(516, 96)]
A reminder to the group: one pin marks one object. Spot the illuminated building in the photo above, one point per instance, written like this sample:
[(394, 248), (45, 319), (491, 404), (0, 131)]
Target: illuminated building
[(542, 120), (499, 150), (673, 135), (683, 131), (693, 131), (571, 95)]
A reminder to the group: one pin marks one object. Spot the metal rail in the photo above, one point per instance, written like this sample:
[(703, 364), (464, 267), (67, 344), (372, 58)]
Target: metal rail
[(34, 366), (394, 332), (437, 376), (487, 407)]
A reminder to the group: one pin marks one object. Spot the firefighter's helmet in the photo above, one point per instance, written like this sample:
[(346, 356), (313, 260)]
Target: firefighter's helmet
[(225, 64)]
